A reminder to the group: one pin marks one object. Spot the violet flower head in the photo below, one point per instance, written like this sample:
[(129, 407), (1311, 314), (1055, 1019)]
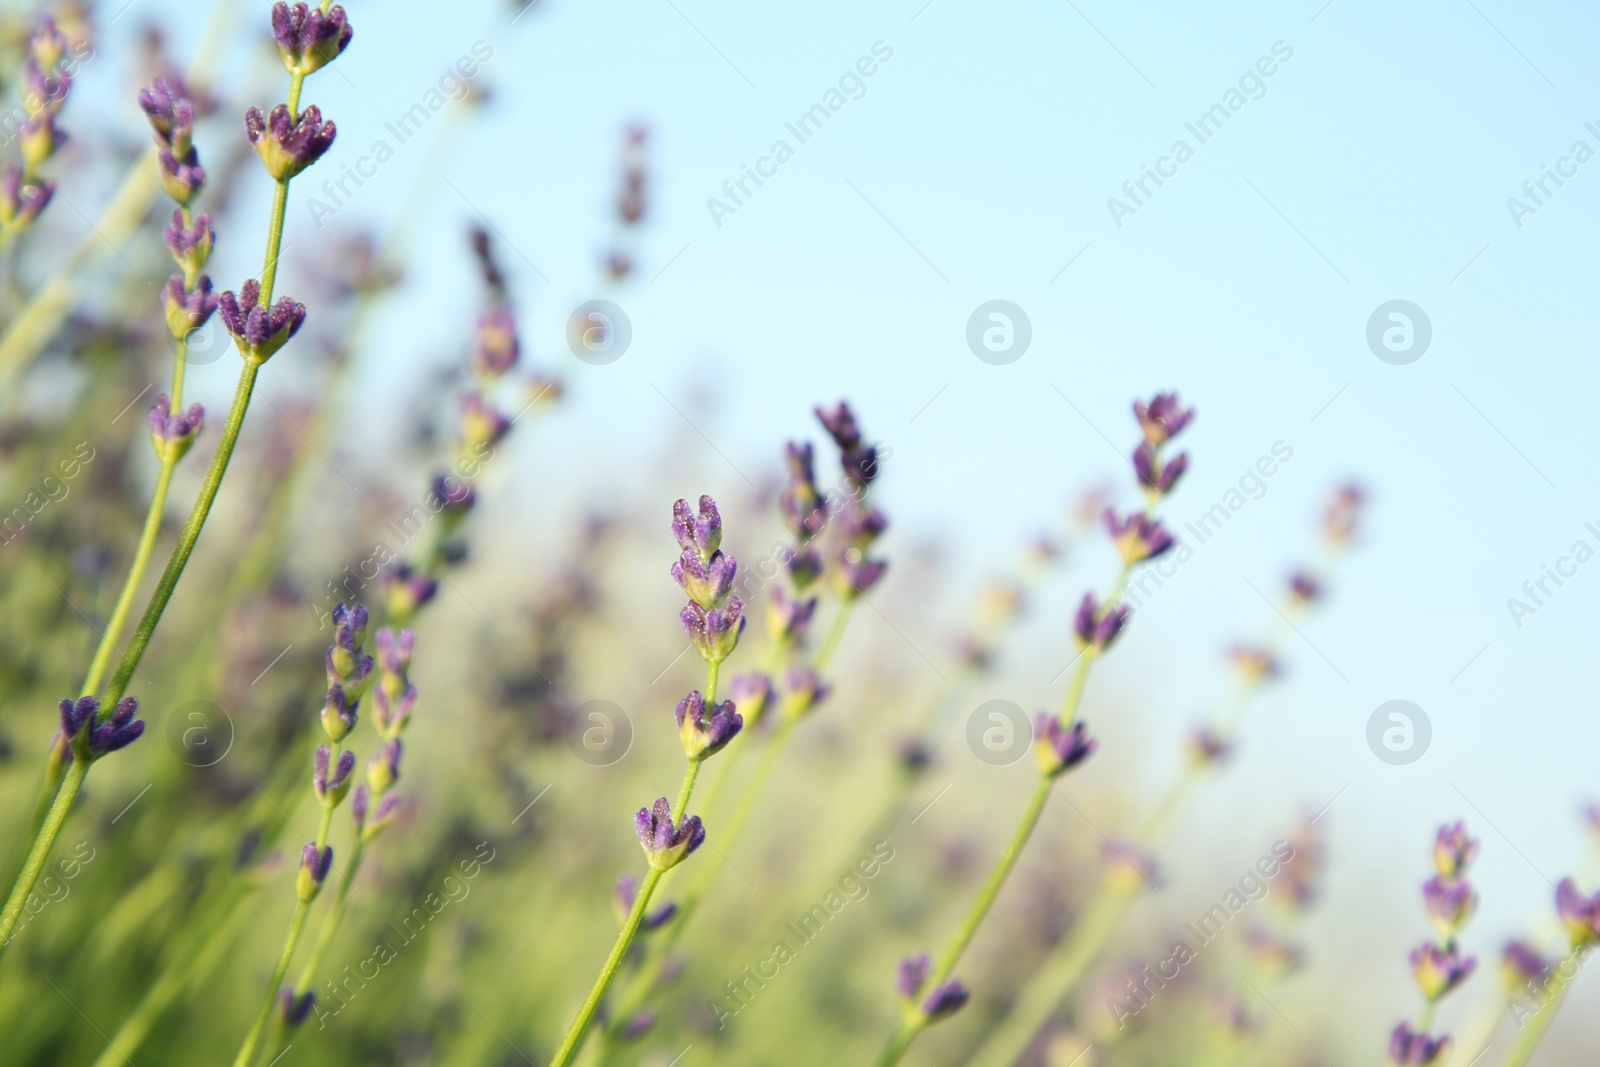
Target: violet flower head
[(188, 309), (1207, 747), (1095, 626), (705, 732), (190, 245), (395, 650), (292, 1010), (627, 892), (48, 45), (840, 422), (1451, 902), (1304, 588), (1454, 850), (801, 692), (1156, 477), (20, 201), (945, 1001), (1439, 969), (482, 425), (804, 566), (405, 590), (1254, 663), (1580, 915), (800, 504), (40, 139), (307, 39), (119, 730), (862, 525), (858, 459), (349, 632), (1342, 520), (495, 350), (698, 531), (753, 694), (259, 331), (331, 784), (857, 574), (74, 713), (1128, 870), (1163, 418), (1407, 1048), (391, 713), (1058, 747), (714, 633), (288, 148), (1273, 953), (913, 975), (1137, 536), (788, 618), (1522, 966), (708, 582), (383, 770), (173, 434), (338, 713), (314, 866), (171, 116), (369, 821), (180, 178), (456, 497), (666, 845)]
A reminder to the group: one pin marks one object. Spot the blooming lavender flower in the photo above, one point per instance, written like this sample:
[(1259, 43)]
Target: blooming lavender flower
[(1407, 1048), (40, 139), (913, 975), (753, 695), (173, 434), (1207, 747), (1304, 588), (48, 45), (292, 1010), (314, 865), (714, 633), (370, 822), (259, 331), (21, 201), (666, 845), (708, 582), (862, 525), (1580, 915), (1451, 902), (482, 426), (1254, 663), (75, 713), (788, 618), (347, 664), (1096, 626), (1522, 966), (699, 531), (1157, 478), (188, 309), (1342, 520), (1454, 850), (800, 504), (332, 786), (627, 892), (394, 652), (171, 116), (190, 245), (391, 714), (338, 713), (287, 148), (945, 1001), (705, 734), (857, 574), (1137, 536), (307, 38), (1060, 748), (495, 350), (804, 566), (801, 692), (1163, 418), (405, 590), (383, 770), (1439, 969), (118, 730)]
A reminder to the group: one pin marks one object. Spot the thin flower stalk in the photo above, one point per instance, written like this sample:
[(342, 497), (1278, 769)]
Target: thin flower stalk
[(714, 620), (1062, 742), (1580, 917)]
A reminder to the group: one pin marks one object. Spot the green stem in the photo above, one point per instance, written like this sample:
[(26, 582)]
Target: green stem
[(830, 644), (296, 924), (330, 922), (33, 866), (580, 1025), (1534, 1031)]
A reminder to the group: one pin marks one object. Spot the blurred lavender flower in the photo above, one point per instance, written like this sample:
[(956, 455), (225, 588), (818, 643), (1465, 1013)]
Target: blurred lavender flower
[(1158, 479), (171, 116), (1342, 521), (190, 245), (1451, 902), (1304, 588), (1522, 965), (482, 425), (1097, 626), (705, 734), (348, 665), (391, 714), (1254, 663), (1163, 418), (913, 975), (801, 691), (945, 1001), (307, 38), (666, 845), (1207, 747), (188, 309), (857, 574), (788, 618), (288, 148), (1454, 850), (1440, 969), (800, 504), (859, 460), (1580, 915), (21, 200), (1060, 748), (332, 785), (627, 892), (495, 350), (1407, 1048), (805, 567), (383, 770), (405, 590), (1137, 536), (294, 1011), (172, 435), (753, 696), (314, 867), (338, 713), (371, 822), (1129, 870), (259, 331)]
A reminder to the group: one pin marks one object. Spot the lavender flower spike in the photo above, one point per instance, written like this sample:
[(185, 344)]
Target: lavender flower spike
[(945, 1001), (288, 148), (314, 867), (788, 618), (666, 845), (496, 349), (1137, 536), (801, 692), (706, 734), (1097, 627), (309, 40), (1407, 1048), (702, 531), (1060, 748), (259, 331), (173, 435)]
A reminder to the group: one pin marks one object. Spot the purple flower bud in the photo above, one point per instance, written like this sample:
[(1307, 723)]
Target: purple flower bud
[(805, 567), (1342, 520), (48, 45), (308, 39), (1254, 663), (752, 694), (1137, 536), (1097, 627), (482, 425), (1206, 746), (285, 148), (384, 769), (294, 1010), (391, 714), (332, 787), (455, 497), (394, 650), (801, 692), (371, 822), (1523, 966), (314, 867), (495, 350), (40, 139), (349, 669), (1408, 1048), (862, 525), (913, 975), (1454, 850), (172, 435), (1060, 748), (705, 735), (188, 310), (358, 807), (350, 625), (1155, 479), (1451, 902), (627, 892), (75, 713), (666, 845), (1163, 418), (405, 591), (259, 331), (338, 713), (945, 1001), (171, 116), (637, 1026), (118, 731), (840, 422), (715, 633), (21, 202), (709, 582), (190, 245), (700, 532), (1439, 969), (800, 504), (180, 178), (857, 574), (788, 619), (1304, 588), (1579, 914)]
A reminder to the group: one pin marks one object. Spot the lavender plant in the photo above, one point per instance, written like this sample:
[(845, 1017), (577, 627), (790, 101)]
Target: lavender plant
[(1438, 966)]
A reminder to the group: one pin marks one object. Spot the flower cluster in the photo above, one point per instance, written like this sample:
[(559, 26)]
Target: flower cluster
[(394, 698), (259, 330), (171, 113), (1438, 966), (632, 198), (307, 38), (92, 736), (714, 617)]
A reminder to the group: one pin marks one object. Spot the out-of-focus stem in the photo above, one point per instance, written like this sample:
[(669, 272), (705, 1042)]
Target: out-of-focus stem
[(1534, 1031)]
